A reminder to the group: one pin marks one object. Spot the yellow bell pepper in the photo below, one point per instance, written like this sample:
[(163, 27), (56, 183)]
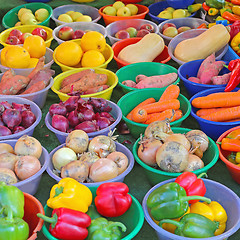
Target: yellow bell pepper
[(211, 24), (213, 11), (237, 158), (69, 193), (219, 18), (236, 9), (235, 43), (213, 211)]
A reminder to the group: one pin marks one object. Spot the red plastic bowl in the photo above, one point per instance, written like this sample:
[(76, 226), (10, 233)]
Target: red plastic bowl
[(130, 1), (142, 11), (232, 168), (118, 46)]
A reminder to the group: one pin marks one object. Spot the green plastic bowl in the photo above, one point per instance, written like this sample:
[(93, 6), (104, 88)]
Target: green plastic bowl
[(133, 98), (155, 176), (130, 72), (133, 219), (10, 18)]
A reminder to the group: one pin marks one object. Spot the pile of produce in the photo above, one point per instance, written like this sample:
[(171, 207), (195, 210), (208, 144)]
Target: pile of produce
[(96, 160), (74, 16)]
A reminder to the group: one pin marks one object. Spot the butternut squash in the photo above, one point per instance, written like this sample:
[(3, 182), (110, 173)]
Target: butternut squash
[(203, 45), (146, 50)]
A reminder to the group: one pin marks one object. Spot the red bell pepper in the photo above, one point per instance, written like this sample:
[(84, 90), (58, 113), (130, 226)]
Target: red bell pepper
[(68, 224), (234, 67), (234, 29), (192, 184), (205, 6), (112, 199)]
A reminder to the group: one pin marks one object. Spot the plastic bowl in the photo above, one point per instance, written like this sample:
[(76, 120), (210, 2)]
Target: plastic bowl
[(31, 207), (38, 97), (79, 25), (132, 99), (190, 69), (232, 168), (180, 22), (115, 112), (212, 129), (130, 1), (107, 53), (26, 29), (26, 71), (34, 108), (191, 34), (30, 185), (10, 18), (130, 72), (114, 27), (179, 3), (216, 192), (93, 186), (142, 11), (118, 46), (106, 94), (84, 9), (133, 219), (156, 8), (155, 176)]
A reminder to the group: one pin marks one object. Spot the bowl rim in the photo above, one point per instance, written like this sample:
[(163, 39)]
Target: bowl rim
[(171, 174), (26, 5)]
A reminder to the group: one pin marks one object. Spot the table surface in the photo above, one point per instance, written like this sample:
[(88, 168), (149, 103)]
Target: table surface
[(136, 179)]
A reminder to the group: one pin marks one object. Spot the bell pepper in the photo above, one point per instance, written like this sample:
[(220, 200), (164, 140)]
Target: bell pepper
[(236, 9), (213, 11), (211, 25), (234, 29), (203, 25), (92, 212), (12, 197), (234, 66), (229, 144), (222, 10), (215, 3), (231, 157), (192, 184), (230, 16), (170, 201), (112, 199), (67, 224), (12, 228), (205, 6), (235, 134), (101, 228), (235, 2), (193, 225), (194, 7), (69, 193), (213, 211)]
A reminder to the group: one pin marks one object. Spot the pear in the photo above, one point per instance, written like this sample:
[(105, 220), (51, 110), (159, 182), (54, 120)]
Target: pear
[(165, 14), (69, 12), (179, 13), (31, 21), (26, 16), (41, 14), (169, 9), (65, 18), (75, 16), (22, 11)]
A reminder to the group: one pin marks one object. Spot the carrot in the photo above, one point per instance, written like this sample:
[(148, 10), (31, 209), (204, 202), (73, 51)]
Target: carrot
[(139, 115), (207, 111), (168, 113), (8, 75), (39, 66), (177, 115), (145, 102), (171, 92), (234, 120), (38, 86)]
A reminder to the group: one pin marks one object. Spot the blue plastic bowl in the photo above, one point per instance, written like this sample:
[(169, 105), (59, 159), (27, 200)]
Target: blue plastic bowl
[(156, 8), (212, 129), (190, 69), (216, 192), (180, 3)]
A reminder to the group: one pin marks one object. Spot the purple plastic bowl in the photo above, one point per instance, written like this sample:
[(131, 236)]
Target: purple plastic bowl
[(30, 185), (35, 109), (216, 192), (116, 113), (119, 147), (38, 97)]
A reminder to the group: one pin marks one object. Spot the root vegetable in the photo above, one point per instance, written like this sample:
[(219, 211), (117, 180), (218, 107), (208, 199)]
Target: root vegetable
[(7, 176), (129, 83), (87, 126), (140, 77), (21, 107), (28, 118), (180, 138), (18, 129), (71, 103), (4, 131), (103, 122), (8, 160), (120, 159), (223, 79), (85, 114), (60, 123), (6, 148), (57, 109), (89, 158), (12, 118), (194, 79), (73, 118), (205, 64), (194, 163)]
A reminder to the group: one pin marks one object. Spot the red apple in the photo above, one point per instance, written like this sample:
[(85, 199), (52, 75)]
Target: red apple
[(78, 34), (15, 32), (24, 36), (65, 33), (122, 34), (40, 32), (13, 40), (183, 29), (148, 27), (142, 33), (166, 25)]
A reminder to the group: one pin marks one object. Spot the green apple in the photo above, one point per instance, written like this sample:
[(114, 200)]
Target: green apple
[(124, 12), (75, 15), (84, 18), (41, 14), (118, 4), (65, 18), (170, 32), (132, 31), (109, 10), (165, 14), (133, 8), (179, 13), (169, 9)]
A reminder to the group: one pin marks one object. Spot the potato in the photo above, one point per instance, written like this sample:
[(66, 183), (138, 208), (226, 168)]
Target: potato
[(8, 176)]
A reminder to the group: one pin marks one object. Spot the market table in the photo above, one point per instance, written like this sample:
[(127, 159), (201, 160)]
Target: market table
[(136, 180)]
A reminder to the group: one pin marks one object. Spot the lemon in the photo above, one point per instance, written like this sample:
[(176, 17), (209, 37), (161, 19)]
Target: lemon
[(33, 62), (93, 41), (92, 58)]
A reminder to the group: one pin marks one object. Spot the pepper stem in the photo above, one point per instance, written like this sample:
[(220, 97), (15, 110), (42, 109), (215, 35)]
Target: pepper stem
[(225, 66), (176, 223), (188, 198), (118, 224), (202, 175), (58, 191), (52, 220), (7, 211)]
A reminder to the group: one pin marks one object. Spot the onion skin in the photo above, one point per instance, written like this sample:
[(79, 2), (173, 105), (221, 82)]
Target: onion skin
[(60, 123), (6, 148), (8, 160), (180, 138), (28, 118), (12, 118), (4, 131), (18, 129), (89, 158), (71, 103), (120, 159), (57, 109), (8, 176), (194, 163)]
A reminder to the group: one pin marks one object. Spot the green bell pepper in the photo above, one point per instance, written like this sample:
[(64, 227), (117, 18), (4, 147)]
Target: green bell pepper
[(215, 3), (12, 197), (193, 225), (12, 228), (170, 201), (101, 228), (92, 212)]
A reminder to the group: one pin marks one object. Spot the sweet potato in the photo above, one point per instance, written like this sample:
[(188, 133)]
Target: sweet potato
[(88, 81), (39, 66), (75, 77), (221, 79), (194, 79), (38, 86), (157, 81), (129, 83), (140, 77), (8, 75), (205, 64), (96, 89)]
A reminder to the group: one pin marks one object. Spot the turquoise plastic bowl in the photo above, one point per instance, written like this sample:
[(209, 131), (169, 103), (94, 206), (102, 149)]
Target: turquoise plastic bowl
[(154, 176), (10, 18)]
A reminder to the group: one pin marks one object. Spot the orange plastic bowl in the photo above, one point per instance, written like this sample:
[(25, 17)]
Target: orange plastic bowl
[(142, 11), (118, 46), (31, 207), (232, 168)]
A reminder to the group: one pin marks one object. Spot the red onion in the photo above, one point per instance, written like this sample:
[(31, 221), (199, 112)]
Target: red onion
[(18, 129), (86, 115), (103, 122), (87, 126), (73, 118), (107, 115), (4, 131), (12, 118), (60, 123), (28, 118), (6, 105), (89, 106), (69, 130), (21, 107), (81, 101), (2, 109), (1, 122), (58, 109), (100, 104), (71, 103)]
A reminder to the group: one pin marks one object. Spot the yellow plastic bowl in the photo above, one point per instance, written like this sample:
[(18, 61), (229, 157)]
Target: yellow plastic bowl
[(26, 29), (106, 94)]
